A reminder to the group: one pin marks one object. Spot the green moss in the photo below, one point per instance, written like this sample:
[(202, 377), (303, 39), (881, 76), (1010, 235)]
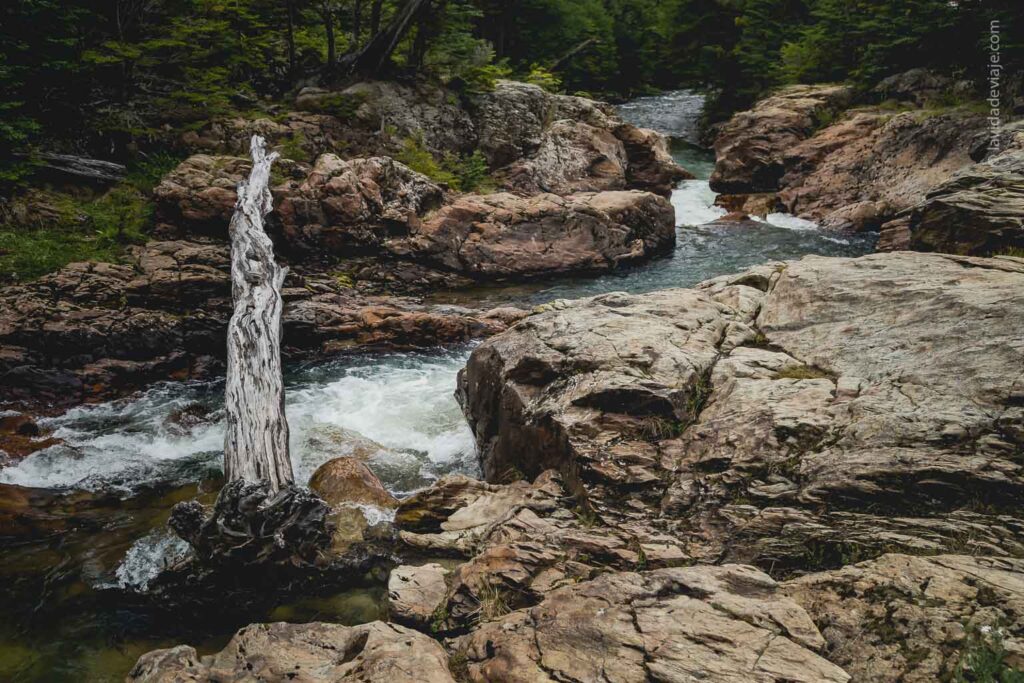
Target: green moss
[(344, 280), (85, 230), (458, 665)]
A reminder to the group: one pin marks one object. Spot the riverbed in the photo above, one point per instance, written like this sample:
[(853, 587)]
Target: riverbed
[(68, 599)]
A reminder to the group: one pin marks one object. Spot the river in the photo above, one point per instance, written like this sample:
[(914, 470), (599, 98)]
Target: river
[(70, 595)]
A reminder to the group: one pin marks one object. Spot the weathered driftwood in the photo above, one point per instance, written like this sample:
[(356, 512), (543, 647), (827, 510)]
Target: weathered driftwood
[(79, 167), (256, 442)]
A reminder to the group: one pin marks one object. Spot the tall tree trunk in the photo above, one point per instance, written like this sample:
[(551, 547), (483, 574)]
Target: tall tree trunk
[(375, 16), (256, 442), (375, 54), (357, 23), (291, 38), (327, 14)]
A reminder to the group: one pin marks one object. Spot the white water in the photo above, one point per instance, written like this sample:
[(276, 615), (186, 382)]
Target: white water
[(404, 402)]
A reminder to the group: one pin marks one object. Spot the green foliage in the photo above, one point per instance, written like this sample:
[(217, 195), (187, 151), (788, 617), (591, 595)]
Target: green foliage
[(482, 79), (82, 230), (538, 75), (462, 174), (983, 660)]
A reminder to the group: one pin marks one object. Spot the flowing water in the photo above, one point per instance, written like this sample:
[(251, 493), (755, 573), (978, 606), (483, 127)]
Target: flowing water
[(126, 462)]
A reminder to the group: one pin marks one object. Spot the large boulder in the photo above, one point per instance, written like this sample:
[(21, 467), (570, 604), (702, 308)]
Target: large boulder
[(870, 165), (342, 206), (377, 652), (419, 110), (978, 211), (347, 480), (751, 146), (538, 141), (726, 623), (795, 416), (502, 235)]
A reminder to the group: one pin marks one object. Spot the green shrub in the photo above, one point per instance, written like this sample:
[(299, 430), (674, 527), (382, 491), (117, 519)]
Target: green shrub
[(463, 174), (539, 75)]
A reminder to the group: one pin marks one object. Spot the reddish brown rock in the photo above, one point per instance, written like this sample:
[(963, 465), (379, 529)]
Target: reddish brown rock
[(348, 480), (501, 235), (751, 146)]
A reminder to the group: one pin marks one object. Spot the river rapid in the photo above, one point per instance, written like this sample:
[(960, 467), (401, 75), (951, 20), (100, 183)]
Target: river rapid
[(127, 462)]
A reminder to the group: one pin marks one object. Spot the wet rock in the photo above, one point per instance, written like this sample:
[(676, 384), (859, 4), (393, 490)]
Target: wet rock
[(182, 421), (649, 166), (342, 206), (714, 623), (21, 436), (377, 652), (978, 211), (917, 619), (501, 235), (718, 415), (858, 173), (416, 592), (348, 480), (757, 204), (750, 148)]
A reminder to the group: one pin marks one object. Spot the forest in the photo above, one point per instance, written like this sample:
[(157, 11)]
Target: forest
[(111, 76)]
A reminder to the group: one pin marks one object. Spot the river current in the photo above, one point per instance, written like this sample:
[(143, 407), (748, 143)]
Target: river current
[(133, 449)]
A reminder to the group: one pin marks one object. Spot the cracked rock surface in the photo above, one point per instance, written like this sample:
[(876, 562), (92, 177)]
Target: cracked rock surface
[(729, 412)]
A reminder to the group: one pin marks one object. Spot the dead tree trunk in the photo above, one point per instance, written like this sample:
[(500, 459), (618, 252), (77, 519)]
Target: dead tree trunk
[(256, 442), (370, 60)]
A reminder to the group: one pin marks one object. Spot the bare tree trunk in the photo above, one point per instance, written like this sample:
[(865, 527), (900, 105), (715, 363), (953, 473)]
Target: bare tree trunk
[(357, 23), (291, 38), (375, 12), (371, 60), (327, 14), (256, 442)]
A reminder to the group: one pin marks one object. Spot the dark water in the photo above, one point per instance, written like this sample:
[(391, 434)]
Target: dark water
[(70, 612)]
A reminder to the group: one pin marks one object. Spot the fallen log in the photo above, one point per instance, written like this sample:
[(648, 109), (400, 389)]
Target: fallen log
[(256, 440)]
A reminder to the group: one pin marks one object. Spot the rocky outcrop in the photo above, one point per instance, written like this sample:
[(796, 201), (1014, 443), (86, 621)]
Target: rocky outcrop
[(502, 235), (308, 653), (298, 136), (723, 415), (863, 170), (919, 619), (538, 141), (978, 211), (344, 206), (751, 146), (708, 623), (97, 330)]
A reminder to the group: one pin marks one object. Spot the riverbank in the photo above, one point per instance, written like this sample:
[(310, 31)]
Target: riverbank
[(514, 548)]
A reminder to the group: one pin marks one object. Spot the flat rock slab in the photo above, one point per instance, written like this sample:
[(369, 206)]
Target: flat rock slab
[(725, 623), (415, 592)]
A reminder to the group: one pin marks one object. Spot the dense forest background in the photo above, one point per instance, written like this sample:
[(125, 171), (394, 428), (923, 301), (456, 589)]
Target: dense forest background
[(108, 77)]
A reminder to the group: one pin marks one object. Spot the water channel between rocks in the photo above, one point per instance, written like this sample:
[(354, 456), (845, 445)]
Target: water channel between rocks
[(128, 461)]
